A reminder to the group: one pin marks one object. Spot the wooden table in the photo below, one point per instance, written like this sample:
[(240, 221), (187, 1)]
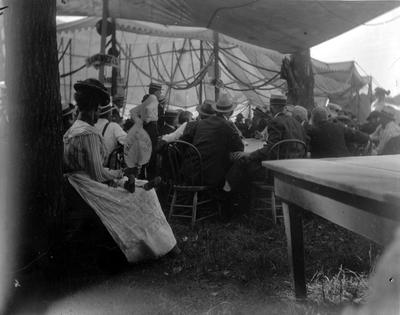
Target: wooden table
[(252, 144), (361, 194)]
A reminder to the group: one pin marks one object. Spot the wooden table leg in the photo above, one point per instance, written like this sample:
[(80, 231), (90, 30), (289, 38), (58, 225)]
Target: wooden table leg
[(294, 234)]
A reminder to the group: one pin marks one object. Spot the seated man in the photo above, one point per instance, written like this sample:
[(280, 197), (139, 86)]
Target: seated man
[(183, 118), (248, 165), (387, 134), (169, 124), (216, 137), (112, 132), (330, 139)]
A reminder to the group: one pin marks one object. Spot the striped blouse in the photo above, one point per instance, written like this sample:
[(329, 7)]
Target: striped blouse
[(84, 150)]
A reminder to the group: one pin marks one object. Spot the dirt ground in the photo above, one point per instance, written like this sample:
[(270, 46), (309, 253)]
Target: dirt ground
[(225, 268)]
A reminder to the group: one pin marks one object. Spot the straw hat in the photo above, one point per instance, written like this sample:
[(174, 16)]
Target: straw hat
[(67, 109), (277, 100), (106, 109), (155, 86), (225, 104)]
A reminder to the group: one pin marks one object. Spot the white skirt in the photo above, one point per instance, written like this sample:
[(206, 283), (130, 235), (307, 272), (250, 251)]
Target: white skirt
[(135, 220)]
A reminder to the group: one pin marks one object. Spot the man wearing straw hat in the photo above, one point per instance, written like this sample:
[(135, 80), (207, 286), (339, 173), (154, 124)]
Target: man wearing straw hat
[(281, 127), (216, 137), (147, 112)]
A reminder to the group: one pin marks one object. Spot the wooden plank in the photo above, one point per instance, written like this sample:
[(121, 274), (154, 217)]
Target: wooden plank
[(387, 162), (381, 185), (294, 234), (369, 225)]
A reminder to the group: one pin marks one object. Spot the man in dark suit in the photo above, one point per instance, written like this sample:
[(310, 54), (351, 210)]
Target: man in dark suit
[(248, 165), (216, 137), (331, 139)]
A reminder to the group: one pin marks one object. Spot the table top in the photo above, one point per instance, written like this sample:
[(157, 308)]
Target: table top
[(252, 144), (373, 177)]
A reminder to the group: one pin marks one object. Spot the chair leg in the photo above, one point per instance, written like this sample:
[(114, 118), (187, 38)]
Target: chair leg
[(273, 206), (194, 209), (171, 208)]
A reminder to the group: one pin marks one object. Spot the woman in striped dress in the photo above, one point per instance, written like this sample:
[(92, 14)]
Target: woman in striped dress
[(134, 220)]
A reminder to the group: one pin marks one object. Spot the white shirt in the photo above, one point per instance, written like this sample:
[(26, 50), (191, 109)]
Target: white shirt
[(148, 110), (176, 135), (113, 135)]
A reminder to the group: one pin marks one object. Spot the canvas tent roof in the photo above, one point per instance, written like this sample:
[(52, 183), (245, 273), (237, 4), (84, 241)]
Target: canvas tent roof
[(246, 63), (282, 25), (171, 56)]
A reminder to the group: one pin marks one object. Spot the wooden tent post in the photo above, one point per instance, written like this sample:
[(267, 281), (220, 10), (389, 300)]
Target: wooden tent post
[(114, 71), (216, 65), (127, 79), (174, 72), (299, 75), (103, 37), (201, 67)]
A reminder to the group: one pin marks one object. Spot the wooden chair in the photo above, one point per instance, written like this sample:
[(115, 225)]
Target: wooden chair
[(191, 198), (116, 158), (284, 149)]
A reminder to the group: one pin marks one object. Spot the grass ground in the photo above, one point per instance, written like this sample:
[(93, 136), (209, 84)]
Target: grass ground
[(239, 267)]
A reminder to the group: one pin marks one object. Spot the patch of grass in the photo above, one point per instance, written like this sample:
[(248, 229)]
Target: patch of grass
[(346, 286)]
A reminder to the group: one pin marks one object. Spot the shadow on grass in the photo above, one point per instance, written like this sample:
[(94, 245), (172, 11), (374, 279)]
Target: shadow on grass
[(241, 266)]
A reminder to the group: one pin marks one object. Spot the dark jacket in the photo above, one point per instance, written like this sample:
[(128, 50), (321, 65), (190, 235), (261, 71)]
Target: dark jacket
[(214, 137), (330, 139), (281, 127)]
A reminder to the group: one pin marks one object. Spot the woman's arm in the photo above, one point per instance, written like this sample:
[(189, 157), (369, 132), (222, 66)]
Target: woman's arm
[(94, 161)]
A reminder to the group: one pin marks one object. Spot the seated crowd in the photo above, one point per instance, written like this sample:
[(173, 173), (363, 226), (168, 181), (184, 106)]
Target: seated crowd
[(139, 226)]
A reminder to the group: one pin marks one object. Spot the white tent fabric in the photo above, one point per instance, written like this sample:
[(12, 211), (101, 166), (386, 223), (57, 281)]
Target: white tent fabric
[(171, 56), (282, 25)]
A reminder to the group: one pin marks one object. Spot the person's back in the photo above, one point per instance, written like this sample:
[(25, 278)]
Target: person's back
[(281, 127), (327, 139), (215, 138), (330, 139)]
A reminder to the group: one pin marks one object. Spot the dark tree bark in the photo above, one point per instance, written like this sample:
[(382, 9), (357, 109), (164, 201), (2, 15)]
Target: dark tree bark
[(300, 79), (35, 116)]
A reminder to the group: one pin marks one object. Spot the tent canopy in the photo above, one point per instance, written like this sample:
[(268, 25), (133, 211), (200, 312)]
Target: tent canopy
[(283, 25), (170, 55)]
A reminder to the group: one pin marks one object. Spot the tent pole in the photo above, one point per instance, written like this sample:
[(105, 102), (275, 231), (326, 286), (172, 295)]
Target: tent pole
[(175, 69), (114, 71), (127, 79), (216, 64), (201, 67), (103, 37)]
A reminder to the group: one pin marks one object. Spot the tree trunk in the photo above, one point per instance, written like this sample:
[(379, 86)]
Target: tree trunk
[(300, 79), (33, 88)]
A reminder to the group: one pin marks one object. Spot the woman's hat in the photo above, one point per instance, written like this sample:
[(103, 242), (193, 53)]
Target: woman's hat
[(381, 91), (106, 109), (277, 100), (93, 85), (388, 113), (224, 105), (206, 108), (374, 114), (68, 109)]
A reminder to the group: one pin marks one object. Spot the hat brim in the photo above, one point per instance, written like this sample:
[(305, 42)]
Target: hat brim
[(204, 113), (108, 110), (223, 111), (69, 112), (78, 86)]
